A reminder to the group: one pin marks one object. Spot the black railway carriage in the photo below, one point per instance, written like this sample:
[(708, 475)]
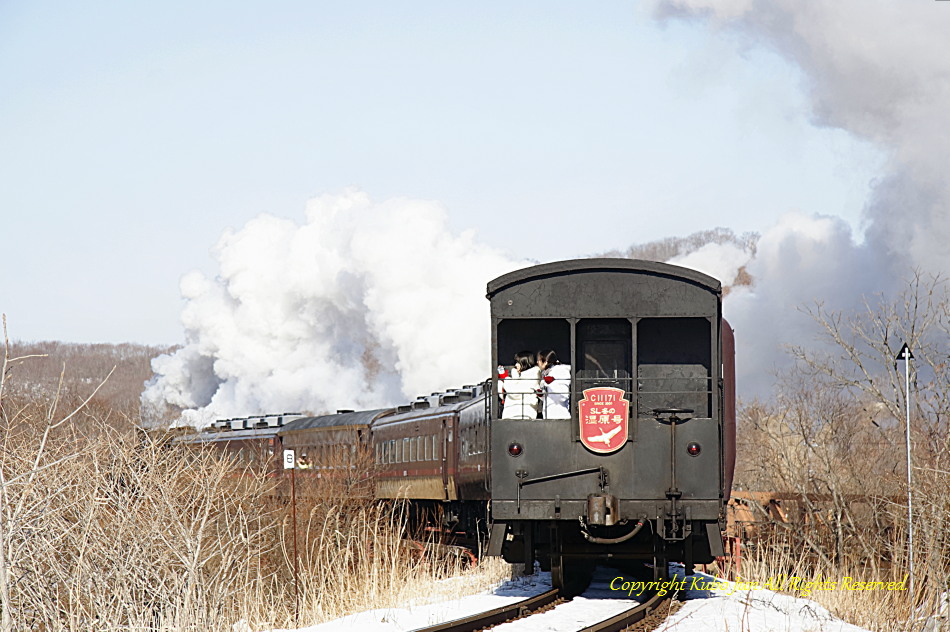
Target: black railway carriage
[(641, 468)]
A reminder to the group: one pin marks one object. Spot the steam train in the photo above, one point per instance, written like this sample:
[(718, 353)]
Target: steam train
[(641, 466)]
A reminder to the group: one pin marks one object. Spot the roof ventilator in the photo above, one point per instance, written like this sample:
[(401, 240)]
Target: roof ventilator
[(421, 402), (450, 397)]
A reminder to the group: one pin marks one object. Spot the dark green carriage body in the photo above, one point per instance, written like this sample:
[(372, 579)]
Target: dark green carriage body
[(655, 332)]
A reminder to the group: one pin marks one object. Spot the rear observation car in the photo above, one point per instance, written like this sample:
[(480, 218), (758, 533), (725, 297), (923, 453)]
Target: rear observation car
[(641, 468)]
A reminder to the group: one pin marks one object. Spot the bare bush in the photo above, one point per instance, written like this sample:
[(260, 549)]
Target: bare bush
[(121, 532), (357, 553), (831, 450), (104, 527)]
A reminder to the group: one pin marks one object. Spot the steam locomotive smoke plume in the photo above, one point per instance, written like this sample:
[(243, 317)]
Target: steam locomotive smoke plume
[(367, 304), (362, 305), (879, 71)]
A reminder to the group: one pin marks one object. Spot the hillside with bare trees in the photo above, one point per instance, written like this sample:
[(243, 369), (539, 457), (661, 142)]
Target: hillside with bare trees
[(74, 370), (670, 247)]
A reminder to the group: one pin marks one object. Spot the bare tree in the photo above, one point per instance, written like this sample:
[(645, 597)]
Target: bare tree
[(831, 445)]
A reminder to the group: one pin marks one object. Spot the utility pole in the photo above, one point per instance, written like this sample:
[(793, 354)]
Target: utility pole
[(906, 355)]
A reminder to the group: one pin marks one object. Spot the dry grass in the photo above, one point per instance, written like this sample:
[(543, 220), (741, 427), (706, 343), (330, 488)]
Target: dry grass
[(796, 572), (105, 528), (357, 554), (122, 533), (119, 532), (848, 516), (838, 457)]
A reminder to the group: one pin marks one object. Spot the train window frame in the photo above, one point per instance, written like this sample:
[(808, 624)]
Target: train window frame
[(515, 334), (702, 328), (617, 332)]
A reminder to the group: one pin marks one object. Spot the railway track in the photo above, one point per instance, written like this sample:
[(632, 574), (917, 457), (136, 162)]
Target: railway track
[(494, 617), (629, 617), (544, 602)]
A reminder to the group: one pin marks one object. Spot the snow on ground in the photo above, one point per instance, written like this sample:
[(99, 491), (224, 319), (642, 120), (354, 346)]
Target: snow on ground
[(597, 603), (759, 610), (415, 617), (725, 609)]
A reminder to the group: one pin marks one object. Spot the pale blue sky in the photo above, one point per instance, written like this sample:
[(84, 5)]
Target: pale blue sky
[(133, 134)]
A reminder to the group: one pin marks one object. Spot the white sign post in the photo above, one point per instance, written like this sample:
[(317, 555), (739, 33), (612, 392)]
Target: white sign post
[(906, 355), (289, 464)]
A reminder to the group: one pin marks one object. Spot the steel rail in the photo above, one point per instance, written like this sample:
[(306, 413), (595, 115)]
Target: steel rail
[(628, 617), (496, 616)]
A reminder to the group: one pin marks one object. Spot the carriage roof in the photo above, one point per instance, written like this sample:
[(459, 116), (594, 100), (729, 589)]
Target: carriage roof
[(575, 266)]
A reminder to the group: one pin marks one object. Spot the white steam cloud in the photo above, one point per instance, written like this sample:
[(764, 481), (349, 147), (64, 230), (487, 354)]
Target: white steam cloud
[(366, 304), (720, 261), (362, 305), (879, 71)]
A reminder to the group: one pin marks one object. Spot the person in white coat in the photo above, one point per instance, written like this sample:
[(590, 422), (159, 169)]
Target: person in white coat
[(555, 385), (521, 388)]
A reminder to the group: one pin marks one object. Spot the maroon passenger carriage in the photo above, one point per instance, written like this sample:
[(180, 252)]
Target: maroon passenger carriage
[(248, 441), (434, 451)]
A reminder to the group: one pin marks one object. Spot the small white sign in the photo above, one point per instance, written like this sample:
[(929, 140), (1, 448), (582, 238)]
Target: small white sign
[(288, 459)]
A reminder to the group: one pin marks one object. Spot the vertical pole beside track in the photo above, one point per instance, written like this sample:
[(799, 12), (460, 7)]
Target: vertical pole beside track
[(906, 355), (290, 464), (293, 511)]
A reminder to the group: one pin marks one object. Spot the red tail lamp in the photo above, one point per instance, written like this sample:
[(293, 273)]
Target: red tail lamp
[(694, 449), (515, 449)]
